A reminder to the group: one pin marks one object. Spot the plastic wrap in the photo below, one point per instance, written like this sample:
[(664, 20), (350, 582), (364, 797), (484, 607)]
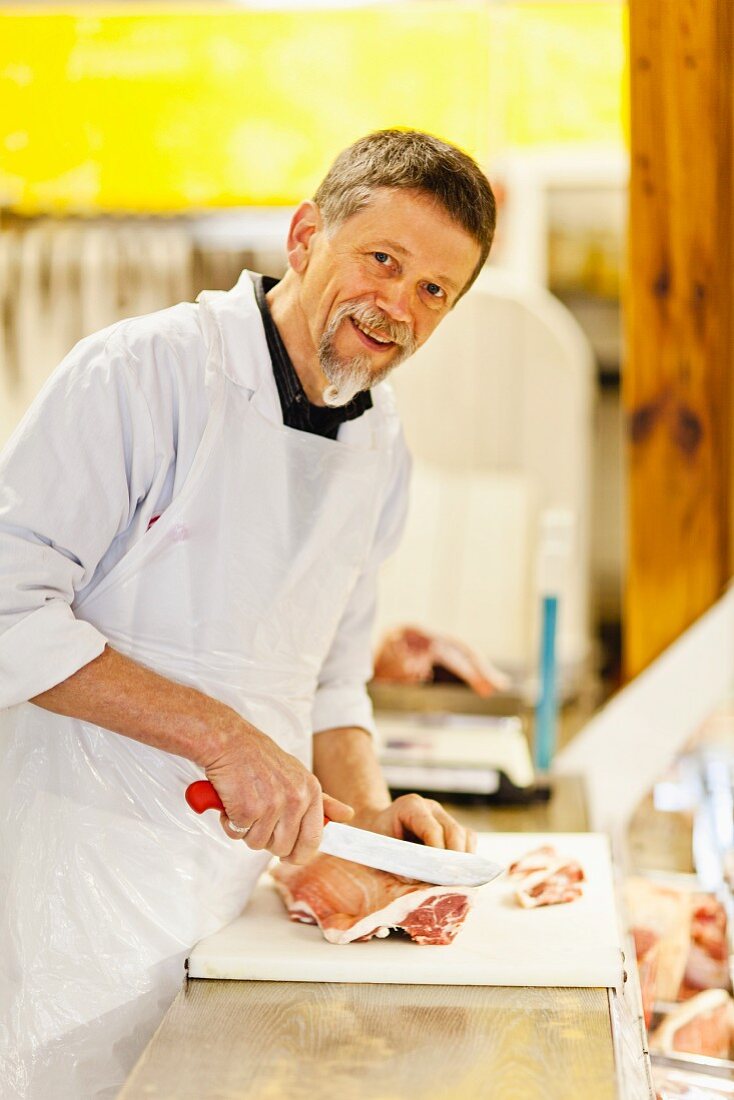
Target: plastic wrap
[(107, 877)]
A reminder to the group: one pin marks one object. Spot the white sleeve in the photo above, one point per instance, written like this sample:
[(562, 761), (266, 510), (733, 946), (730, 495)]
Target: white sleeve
[(70, 479), (342, 698)]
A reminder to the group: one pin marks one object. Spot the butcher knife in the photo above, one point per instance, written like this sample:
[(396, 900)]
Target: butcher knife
[(439, 866)]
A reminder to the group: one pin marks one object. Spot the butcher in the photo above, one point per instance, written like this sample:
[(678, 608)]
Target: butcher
[(192, 517)]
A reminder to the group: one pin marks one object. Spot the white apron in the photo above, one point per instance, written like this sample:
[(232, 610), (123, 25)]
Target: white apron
[(237, 590)]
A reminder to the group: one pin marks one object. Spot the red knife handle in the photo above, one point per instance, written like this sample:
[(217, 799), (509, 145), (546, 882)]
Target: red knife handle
[(202, 796)]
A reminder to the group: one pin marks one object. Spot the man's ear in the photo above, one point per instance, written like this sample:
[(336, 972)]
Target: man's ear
[(306, 222)]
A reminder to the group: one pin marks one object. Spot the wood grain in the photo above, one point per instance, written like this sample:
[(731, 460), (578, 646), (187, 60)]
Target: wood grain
[(680, 334), (299, 1041)]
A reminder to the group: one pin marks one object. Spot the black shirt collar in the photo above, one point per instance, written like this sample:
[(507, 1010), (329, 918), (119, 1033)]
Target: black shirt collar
[(298, 412)]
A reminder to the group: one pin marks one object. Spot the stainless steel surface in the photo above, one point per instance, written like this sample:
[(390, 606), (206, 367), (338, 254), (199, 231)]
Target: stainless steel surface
[(634, 1072), (712, 1067)]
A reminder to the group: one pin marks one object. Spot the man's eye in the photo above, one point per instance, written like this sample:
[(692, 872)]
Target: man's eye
[(435, 290), (381, 257)]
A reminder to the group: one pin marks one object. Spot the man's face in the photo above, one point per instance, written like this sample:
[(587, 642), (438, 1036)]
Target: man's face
[(374, 289)]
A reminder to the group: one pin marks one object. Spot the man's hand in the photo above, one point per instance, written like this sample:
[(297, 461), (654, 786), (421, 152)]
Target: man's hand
[(412, 817), (271, 794), (259, 784)]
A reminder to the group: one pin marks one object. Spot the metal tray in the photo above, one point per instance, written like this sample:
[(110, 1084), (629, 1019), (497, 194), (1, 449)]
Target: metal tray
[(696, 1063)]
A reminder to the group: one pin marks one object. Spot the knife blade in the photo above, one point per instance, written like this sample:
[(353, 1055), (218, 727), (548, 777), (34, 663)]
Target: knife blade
[(438, 866)]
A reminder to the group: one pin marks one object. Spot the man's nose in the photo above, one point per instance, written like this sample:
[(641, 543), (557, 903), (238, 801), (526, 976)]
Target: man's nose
[(395, 302)]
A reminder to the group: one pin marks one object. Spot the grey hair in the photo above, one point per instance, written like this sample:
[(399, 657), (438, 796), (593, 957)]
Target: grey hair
[(415, 161)]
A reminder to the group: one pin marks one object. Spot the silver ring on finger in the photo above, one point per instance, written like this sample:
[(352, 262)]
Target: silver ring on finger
[(241, 830)]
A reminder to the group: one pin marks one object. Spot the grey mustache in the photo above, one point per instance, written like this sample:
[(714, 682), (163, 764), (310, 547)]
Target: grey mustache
[(399, 334)]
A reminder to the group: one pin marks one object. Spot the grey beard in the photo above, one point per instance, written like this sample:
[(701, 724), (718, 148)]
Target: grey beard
[(346, 380), (348, 377)]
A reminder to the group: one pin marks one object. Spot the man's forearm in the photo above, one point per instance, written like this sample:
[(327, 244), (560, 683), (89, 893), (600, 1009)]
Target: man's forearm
[(346, 765), (115, 692), (261, 786)]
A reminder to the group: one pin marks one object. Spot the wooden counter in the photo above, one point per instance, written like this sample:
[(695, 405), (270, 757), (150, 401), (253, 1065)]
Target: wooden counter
[(327, 1041), (272, 1040)]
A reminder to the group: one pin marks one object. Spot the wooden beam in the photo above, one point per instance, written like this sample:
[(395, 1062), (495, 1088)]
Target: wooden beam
[(679, 366)]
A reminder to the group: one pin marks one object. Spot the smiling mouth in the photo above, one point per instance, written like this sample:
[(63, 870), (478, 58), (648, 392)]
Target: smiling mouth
[(371, 341)]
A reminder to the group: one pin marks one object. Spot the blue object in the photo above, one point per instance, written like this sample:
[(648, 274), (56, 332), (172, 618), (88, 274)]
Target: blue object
[(547, 710)]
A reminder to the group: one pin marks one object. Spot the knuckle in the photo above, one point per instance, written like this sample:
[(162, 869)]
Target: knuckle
[(300, 793), (292, 801), (312, 786), (256, 807)]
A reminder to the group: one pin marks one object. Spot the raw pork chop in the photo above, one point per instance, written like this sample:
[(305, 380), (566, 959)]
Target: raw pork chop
[(689, 931), (707, 966), (663, 915), (412, 656), (536, 860), (702, 1025), (547, 878), (350, 902)]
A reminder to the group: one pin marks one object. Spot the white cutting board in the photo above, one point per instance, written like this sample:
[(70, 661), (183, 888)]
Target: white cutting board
[(577, 944)]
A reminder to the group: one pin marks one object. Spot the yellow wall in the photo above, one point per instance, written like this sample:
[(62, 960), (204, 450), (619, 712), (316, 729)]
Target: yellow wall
[(137, 108), (564, 72)]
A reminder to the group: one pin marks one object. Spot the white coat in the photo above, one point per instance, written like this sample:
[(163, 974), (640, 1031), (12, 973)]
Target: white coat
[(254, 585)]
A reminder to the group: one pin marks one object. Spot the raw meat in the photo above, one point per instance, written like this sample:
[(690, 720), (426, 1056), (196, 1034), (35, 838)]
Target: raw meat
[(707, 966), (690, 932), (645, 940), (350, 902), (702, 1025), (412, 656), (663, 916), (547, 878), (647, 950), (536, 860)]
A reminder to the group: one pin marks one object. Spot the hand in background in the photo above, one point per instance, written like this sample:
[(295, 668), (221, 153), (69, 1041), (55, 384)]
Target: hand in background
[(411, 656)]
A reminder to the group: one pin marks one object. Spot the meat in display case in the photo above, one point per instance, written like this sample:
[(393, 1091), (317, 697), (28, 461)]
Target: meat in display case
[(682, 923)]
